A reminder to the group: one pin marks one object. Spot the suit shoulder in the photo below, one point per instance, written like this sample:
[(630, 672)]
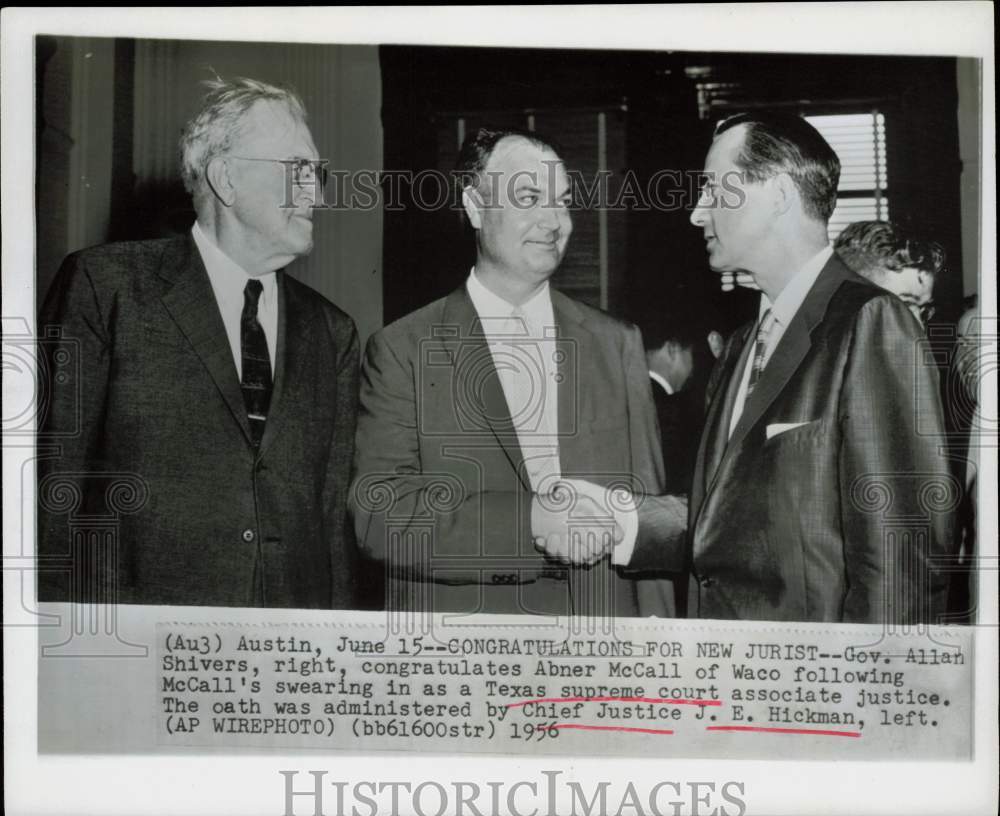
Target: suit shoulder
[(121, 259), (592, 316), (857, 294), (304, 293), (414, 326)]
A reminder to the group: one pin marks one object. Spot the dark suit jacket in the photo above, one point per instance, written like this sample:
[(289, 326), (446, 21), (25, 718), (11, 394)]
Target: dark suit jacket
[(842, 517), (155, 407), (680, 420), (441, 496)]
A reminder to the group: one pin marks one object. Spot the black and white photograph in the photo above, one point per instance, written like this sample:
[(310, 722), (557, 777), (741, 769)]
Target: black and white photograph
[(551, 403)]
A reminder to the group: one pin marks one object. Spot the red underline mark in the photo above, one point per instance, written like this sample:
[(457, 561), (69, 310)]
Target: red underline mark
[(613, 728), (783, 730), (661, 700)]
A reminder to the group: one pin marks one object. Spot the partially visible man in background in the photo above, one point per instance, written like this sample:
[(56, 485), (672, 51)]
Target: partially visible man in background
[(967, 376), (218, 385), (679, 355), (903, 264)]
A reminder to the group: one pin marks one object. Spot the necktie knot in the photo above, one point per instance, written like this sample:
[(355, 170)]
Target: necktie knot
[(760, 350), (251, 296), (766, 320)]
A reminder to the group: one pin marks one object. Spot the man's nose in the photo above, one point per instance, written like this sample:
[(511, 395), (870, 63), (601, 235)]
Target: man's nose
[(548, 217), (307, 193), (699, 215), (308, 187)]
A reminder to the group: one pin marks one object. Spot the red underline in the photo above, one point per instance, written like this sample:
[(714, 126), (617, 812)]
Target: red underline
[(662, 700), (783, 730), (613, 728)]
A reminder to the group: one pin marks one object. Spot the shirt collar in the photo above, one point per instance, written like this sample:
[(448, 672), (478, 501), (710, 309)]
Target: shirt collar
[(228, 278), (662, 381), (538, 310), (785, 306)]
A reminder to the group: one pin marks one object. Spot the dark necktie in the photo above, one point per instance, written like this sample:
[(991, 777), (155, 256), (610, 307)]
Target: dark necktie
[(759, 351), (256, 381)]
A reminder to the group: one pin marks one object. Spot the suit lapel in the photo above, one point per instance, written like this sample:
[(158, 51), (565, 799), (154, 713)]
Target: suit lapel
[(572, 342), (716, 439), (473, 358), (192, 305), (791, 349)]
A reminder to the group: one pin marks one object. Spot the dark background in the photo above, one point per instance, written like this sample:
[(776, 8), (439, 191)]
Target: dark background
[(404, 102), (665, 121)]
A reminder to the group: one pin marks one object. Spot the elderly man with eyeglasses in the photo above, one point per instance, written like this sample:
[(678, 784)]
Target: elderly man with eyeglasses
[(220, 388)]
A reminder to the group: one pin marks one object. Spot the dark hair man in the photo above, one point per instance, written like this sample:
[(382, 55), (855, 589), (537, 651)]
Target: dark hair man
[(482, 411), (812, 429)]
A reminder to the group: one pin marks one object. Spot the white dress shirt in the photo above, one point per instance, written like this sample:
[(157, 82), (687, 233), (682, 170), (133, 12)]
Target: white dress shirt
[(662, 382), (228, 281), (783, 309), (522, 343)]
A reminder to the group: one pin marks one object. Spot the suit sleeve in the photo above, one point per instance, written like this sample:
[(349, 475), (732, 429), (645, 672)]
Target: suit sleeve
[(404, 514), (662, 518), (74, 356), (344, 335), (897, 496)]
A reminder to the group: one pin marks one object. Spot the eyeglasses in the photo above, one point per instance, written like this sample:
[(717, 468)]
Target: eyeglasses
[(304, 171)]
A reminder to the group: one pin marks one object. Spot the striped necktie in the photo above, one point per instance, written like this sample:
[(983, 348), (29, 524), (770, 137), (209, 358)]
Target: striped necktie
[(256, 379), (760, 350)]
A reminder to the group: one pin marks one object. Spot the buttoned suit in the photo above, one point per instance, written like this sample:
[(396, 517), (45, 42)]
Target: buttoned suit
[(831, 501), (156, 403), (442, 497)]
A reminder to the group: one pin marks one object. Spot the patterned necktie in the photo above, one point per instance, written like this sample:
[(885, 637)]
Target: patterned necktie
[(759, 350), (256, 381)]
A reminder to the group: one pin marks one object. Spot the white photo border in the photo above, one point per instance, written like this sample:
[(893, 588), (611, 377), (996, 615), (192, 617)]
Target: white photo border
[(252, 784)]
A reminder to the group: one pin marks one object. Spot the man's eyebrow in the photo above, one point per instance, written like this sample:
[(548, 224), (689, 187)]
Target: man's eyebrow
[(527, 186)]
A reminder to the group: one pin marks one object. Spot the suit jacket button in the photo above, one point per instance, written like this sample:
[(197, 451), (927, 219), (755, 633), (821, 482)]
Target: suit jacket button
[(706, 582), (248, 535)]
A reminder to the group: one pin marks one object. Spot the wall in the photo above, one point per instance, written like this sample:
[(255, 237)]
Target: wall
[(340, 85), (969, 74)]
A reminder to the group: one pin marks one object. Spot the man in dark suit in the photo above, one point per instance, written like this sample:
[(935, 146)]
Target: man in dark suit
[(505, 415), (679, 359), (820, 493), (212, 418)]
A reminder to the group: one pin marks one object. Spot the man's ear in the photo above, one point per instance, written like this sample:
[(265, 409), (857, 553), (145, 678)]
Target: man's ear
[(217, 176), (785, 193), (472, 201), (716, 343)]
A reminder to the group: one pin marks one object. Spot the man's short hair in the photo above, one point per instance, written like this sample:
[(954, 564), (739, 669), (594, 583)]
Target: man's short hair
[(474, 155), (871, 247), (784, 143), (685, 326), (212, 131)]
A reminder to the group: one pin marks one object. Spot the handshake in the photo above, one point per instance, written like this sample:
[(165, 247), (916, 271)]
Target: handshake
[(579, 523)]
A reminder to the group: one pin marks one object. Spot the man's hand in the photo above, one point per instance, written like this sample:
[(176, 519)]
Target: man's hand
[(571, 527)]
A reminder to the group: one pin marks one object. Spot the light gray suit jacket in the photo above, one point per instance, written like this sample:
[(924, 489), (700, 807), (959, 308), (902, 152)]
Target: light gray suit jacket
[(441, 496)]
